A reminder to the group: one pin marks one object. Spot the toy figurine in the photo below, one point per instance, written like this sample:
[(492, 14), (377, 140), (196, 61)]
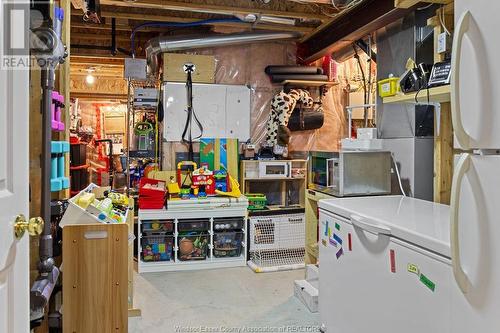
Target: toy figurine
[(220, 180), (173, 189), (204, 178)]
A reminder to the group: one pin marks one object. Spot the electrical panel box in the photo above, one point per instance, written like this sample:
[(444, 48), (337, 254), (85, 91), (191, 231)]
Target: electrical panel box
[(223, 111)]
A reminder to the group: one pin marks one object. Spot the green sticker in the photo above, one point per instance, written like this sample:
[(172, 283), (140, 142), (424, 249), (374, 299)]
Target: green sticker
[(428, 283), (329, 232), (337, 226), (413, 269)]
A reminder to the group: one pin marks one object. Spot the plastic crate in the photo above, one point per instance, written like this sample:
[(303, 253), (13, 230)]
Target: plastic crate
[(78, 154), (158, 226), (79, 179), (228, 244), (151, 198), (230, 223), (256, 201), (193, 246), (157, 247), (193, 225)]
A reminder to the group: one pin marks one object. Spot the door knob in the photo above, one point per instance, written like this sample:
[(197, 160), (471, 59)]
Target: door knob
[(34, 226)]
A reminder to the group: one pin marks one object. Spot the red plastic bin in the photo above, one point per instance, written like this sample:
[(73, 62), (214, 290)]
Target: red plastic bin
[(149, 198)]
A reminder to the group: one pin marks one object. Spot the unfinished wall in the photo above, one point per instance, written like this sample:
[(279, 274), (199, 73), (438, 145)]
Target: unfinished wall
[(245, 64)]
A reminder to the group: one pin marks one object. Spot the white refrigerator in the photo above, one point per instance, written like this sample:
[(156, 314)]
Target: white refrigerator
[(475, 202)]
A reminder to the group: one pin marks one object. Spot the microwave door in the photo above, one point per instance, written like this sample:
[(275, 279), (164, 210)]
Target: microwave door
[(330, 172)]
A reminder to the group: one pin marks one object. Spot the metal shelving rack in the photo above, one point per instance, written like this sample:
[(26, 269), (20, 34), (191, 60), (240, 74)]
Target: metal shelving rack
[(132, 111)]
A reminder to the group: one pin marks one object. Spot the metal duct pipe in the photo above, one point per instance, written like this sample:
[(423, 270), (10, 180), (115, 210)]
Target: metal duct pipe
[(163, 44)]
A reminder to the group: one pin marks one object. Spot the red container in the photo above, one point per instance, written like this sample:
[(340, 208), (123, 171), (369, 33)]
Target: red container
[(151, 198)]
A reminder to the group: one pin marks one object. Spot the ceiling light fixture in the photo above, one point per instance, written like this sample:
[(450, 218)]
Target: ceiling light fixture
[(90, 78)]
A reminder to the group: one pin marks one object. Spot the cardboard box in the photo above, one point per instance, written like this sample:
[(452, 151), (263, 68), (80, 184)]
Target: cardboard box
[(173, 70)]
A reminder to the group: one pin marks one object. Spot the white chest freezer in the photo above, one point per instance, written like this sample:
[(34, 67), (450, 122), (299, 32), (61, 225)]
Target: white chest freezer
[(384, 265)]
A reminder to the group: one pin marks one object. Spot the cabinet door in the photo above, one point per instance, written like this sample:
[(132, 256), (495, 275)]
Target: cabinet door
[(476, 69), (420, 285), (353, 273)]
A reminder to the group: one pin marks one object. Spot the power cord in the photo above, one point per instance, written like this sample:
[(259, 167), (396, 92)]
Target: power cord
[(398, 174), (187, 136)]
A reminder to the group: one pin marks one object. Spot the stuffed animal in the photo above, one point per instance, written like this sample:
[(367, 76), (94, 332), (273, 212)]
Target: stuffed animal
[(282, 106)]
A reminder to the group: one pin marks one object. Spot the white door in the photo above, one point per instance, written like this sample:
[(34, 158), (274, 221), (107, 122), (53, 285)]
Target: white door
[(475, 246), (14, 181), (476, 71)]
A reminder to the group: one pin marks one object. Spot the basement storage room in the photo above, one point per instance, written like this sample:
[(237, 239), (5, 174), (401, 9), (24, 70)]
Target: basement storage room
[(249, 166)]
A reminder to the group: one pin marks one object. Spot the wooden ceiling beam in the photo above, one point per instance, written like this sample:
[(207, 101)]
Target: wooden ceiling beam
[(346, 28), (163, 18), (410, 3), (108, 61), (208, 9), (119, 38)]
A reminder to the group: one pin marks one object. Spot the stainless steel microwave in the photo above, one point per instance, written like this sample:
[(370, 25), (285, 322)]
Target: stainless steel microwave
[(350, 173)]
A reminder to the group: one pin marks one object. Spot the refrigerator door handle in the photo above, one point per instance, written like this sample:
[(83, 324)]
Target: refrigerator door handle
[(377, 229), (462, 167), (456, 117)]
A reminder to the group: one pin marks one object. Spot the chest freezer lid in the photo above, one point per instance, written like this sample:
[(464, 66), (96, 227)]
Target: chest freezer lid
[(423, 223)]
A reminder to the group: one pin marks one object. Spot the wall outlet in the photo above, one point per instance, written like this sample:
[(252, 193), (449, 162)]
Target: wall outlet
[(442, 43)]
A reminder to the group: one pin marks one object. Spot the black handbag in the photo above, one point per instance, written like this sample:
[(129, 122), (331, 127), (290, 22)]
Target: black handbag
[(304, 119)]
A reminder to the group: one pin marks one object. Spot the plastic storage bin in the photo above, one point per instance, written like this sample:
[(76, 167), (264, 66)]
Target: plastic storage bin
[(158, 226), (151, 198), (388, 87), (194, 225), (77, 215), (229, 223), (256, 201), (193, 246), (228, 244), (78, 154), (157, 247)]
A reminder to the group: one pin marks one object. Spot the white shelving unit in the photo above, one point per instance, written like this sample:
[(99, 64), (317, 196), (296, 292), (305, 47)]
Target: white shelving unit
[(178, 216)]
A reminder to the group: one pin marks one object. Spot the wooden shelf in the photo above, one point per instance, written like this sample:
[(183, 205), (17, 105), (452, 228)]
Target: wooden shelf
[(305, 83), (436, 95)]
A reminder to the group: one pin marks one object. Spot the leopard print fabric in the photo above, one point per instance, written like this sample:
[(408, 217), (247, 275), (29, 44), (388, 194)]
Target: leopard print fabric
[(282, 106)]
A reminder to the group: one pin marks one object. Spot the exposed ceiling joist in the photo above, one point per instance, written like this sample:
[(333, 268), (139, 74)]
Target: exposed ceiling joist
[(410, 3), (92, 61), (325, 2), (79, 36), (345, 29), (163, 18), (209, 9)]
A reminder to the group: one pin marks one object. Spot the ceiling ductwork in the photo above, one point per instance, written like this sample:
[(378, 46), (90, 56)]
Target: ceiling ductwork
[(159, 45)]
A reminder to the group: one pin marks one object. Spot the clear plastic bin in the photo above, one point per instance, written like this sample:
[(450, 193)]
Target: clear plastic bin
[(194, 225), (228, 244), (229, 223), (193, 246), (158, 226), (157, 247)]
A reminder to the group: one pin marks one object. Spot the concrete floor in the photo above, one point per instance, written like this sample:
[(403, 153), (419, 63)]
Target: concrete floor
[(223, 300)]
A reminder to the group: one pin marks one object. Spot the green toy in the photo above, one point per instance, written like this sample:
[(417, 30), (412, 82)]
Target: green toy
[(144, 132)]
